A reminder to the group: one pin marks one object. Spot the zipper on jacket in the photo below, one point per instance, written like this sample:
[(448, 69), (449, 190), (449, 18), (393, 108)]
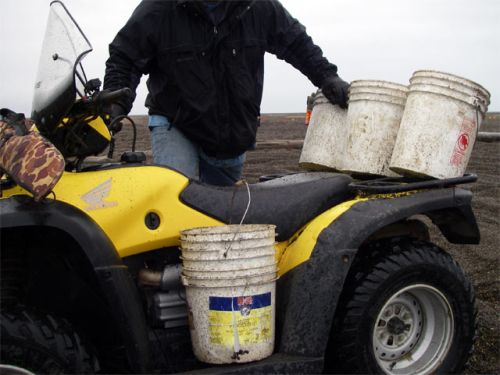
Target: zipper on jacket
[(216, 31)]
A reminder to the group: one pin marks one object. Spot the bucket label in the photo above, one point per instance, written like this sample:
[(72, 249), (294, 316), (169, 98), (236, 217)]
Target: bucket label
[(463, 142), (245, 319)]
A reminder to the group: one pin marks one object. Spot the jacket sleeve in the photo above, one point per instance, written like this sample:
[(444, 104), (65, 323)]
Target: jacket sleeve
[(288, 40), (133, 49)]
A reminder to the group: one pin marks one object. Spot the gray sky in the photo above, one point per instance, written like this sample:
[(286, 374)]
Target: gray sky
[(367, 39)]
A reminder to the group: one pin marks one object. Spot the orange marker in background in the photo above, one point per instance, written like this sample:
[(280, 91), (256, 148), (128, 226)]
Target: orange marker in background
[(310, 102)]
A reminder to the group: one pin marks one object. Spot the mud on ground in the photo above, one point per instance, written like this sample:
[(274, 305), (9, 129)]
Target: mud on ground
[(480, 262)]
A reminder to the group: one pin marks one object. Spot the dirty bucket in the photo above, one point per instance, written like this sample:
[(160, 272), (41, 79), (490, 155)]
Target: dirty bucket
[(325, 138), (373, 119), (439, 126), (230, 277)]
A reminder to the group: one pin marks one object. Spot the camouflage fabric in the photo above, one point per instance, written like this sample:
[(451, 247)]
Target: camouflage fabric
[(13, 123), (6, 131), (30, 160)]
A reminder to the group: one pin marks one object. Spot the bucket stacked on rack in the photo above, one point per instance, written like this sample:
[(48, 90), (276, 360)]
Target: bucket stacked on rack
[(427, 129), (230, 277), (439, 127), (324, 144), (375, 112)]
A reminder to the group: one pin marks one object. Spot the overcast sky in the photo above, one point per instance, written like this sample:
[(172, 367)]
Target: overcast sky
[(367, 39)]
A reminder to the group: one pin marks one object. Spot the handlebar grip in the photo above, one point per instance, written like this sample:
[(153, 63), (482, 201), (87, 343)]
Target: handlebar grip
[(113, 96)]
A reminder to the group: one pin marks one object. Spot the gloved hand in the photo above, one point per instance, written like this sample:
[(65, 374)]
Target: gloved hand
[(114, 111), (335, 90)]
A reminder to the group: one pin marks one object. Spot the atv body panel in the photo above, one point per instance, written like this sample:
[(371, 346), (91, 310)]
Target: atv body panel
[(110, 224), (120, 200)]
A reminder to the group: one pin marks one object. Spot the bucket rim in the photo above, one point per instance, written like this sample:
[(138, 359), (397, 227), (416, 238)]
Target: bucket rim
[(464, 95), (188, 255), (379, 83), (371, 96), (425, 88), (227, 229), (264, 249), (320, 98), (218, 259), (275, 264), (193, 239), (271, 249), (222, 275), (201, 245), (263, 278), (185, 279), (378, 90), (452, 77), (381, 98), (230, 255)]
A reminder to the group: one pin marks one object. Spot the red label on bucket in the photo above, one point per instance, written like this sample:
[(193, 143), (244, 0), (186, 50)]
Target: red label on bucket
[(463, 142)]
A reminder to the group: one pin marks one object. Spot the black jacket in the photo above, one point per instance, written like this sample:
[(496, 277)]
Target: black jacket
[(207, 79)]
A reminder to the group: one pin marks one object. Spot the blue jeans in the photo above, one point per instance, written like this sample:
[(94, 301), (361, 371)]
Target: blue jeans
[(172, 149)]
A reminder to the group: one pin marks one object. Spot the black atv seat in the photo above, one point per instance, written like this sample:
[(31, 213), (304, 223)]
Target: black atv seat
[(288, 202)]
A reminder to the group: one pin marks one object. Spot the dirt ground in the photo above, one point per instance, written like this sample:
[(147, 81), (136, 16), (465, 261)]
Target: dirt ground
[(481, 263)]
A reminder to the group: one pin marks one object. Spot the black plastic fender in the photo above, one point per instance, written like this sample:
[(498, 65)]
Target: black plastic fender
[(308, 295), (112, 275)]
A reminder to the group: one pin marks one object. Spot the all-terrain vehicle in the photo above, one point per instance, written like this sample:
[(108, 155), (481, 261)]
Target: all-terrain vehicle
[(90, 276)]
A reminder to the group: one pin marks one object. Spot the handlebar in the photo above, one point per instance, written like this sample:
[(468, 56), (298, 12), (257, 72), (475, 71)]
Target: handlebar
[(105, 97)]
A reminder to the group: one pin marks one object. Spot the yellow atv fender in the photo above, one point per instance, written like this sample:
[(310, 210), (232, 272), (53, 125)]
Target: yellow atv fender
[(309, 289)]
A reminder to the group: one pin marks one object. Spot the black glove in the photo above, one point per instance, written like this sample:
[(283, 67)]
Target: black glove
[(114, 112), (335, 90)]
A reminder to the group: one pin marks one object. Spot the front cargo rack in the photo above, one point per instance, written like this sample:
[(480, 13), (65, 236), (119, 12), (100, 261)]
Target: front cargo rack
[(389, 185)]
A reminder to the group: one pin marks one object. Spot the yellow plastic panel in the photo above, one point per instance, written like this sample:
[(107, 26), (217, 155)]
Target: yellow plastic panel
[(300, 247), (119, 200)]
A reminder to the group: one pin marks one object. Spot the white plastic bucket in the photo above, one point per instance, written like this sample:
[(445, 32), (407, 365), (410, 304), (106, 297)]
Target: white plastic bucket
[(373, 119), (324, 143), (439, 126), (230, 295)]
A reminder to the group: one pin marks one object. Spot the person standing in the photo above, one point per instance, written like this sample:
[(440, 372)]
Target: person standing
[(205, 61)]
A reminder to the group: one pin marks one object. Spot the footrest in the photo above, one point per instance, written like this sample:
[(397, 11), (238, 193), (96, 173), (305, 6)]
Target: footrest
[(276, 364)]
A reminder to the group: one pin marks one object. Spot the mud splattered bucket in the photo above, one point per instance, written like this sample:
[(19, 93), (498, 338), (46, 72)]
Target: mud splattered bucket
[(324, 143), (373, 119), (230, 277), (439, 126)]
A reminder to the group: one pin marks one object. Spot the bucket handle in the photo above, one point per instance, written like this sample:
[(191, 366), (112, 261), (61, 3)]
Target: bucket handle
[(248, 204), (478, 108), (242, 219)]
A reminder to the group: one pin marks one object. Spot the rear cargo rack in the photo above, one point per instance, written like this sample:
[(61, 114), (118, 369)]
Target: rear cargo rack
[(389, 185)]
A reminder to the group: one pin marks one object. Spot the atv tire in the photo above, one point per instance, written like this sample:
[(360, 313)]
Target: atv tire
[(407, 309), (42, 344)]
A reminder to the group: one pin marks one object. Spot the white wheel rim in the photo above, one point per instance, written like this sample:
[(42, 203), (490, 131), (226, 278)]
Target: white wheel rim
[(14, 370), (413, 331)]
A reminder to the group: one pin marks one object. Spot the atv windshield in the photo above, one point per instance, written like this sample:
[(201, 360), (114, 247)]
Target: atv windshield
[(64, 46)]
